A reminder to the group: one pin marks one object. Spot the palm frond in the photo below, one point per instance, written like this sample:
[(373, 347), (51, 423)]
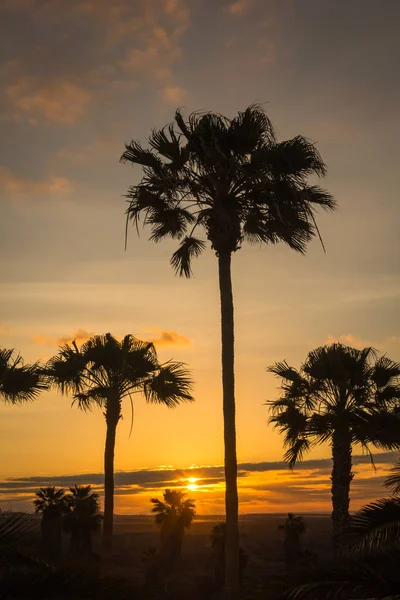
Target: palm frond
[(190, 248), (392, 482), (285, 371), (170, 386), (376, 527), (296, 451), (135, 154), (169, 222), (19, 382)]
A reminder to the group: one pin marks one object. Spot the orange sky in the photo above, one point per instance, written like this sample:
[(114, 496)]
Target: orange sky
[(87, 76)]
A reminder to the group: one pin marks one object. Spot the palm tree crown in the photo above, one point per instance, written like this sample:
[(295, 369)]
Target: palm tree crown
[(338, 385), (175, 509), (19, 382), (343, 396), (50, 501), (103, 366), (83, 508), (293, 524), (230, 177)]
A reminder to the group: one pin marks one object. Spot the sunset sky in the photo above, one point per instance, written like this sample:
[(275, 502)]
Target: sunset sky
[(80, 78)]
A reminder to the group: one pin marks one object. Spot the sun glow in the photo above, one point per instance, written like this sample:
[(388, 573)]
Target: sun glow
[(192, 484)]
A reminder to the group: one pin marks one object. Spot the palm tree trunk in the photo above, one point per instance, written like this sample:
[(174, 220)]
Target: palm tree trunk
[(341, 480), (112, 418), (228, 388)]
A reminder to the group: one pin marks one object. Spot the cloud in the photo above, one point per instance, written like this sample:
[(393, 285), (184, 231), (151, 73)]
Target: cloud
[(174, 94), (240, 7), (80, 336), (268, 485), (169, 338), (59, 101), (16, 185)]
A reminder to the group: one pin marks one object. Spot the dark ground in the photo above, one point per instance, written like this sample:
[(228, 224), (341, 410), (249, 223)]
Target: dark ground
[(260, 538)]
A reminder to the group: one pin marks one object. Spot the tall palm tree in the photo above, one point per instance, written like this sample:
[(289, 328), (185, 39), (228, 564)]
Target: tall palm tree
[(82, 518), (174, 515), (218, 535), (102, 373), (233, 180), (342, 396), (51, 503), (19, 382), (294, 527)]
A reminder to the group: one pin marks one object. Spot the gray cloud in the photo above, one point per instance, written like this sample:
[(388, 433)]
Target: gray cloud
[(300, 487)]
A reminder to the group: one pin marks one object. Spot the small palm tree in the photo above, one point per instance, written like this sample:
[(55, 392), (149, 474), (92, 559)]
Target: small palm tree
[(19, 382), (102, 373), (342, 396), (232, 180), (174, 516), (51, 503), (294, 527), (82, 518)]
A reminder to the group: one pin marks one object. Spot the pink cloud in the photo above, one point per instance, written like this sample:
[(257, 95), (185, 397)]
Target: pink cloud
[(13, 184), (80, 337), (240, 7), (169, 338), (59, 101), (174, 94)]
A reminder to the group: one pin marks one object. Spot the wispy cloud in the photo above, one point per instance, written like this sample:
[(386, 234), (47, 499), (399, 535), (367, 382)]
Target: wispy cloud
[(240, 7), (15, 185), (174, 94), (168, 338), (60, 101), (268, 485), (80, 336)]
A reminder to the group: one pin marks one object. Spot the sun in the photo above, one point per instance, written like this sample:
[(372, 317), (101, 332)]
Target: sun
[(192, 486)]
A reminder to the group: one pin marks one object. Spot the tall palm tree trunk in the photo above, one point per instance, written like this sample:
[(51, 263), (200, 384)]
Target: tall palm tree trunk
[(341, 480), (228, 388), (112, 418)]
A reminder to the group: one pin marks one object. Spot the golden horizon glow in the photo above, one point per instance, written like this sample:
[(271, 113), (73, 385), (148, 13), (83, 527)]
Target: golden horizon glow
[(192, 487)]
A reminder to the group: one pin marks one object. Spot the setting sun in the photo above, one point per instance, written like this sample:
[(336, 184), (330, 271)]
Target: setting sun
[(192, 484)]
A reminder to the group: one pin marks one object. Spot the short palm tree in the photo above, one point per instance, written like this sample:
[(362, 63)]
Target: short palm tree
[(51, 503), (294, 527), (174, 515), (102, 373), (19, 382), (82, 518), (342, 396), (233, 180)]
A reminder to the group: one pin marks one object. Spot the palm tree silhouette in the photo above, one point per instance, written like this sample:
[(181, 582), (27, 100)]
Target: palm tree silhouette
[(19, 382), (343, 396), (82, 518), (236, 182), (51, 503), (102, 373), (294, 527), (174, 515)]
